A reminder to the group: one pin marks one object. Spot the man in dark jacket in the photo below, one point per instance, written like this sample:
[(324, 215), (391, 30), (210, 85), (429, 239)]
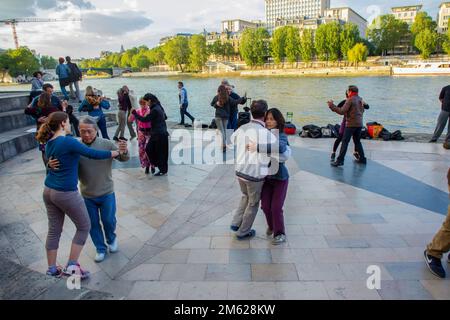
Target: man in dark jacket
[(353, 110), (444, 116), (75, 77)]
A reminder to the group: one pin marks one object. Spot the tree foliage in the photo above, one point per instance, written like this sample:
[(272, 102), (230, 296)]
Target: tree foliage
[(255, 46), (386, 32), (198, 52)]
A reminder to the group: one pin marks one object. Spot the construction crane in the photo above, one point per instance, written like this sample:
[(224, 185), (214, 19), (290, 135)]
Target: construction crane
[(14, 22)]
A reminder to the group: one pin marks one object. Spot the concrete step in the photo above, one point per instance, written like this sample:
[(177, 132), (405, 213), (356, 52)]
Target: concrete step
[(15, 142), (13, 102), (12, 120)]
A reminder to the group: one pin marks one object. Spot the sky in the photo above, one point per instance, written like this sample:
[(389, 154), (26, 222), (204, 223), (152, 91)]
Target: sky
[(107, 24)]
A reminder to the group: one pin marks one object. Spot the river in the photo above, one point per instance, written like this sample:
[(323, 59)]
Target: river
[(409, 104)]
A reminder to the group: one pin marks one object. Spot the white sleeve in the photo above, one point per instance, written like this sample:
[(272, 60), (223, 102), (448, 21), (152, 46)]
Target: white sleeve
[(284, 157)]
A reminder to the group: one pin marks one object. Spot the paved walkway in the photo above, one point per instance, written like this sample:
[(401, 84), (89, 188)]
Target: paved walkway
[(175, 240)]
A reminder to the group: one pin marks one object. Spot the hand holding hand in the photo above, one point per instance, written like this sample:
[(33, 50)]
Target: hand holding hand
[(252, 146), (53, 164), (123, 147)]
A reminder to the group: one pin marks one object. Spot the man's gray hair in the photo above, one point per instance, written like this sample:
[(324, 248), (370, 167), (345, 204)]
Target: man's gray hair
[(89, 120)]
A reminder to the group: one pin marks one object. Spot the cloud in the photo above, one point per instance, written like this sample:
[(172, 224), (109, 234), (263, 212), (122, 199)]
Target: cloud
[(113, 23), (28, 8)]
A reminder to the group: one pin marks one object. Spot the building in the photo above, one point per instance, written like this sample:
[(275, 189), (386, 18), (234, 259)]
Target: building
[(238, 25), (164, 40), (406, 13), (293, 9), (348, 15), (443, 17)]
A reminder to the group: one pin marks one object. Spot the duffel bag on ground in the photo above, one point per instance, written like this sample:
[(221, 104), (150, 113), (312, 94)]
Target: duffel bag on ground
[(374, 129)]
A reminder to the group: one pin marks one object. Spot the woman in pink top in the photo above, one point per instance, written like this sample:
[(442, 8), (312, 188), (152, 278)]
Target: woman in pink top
[(143, 135)]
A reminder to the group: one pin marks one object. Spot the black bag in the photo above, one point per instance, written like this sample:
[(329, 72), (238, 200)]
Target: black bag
[(397, 136), (213, 124), (334, 132), (326, 132), (314, 131), (385, 135)]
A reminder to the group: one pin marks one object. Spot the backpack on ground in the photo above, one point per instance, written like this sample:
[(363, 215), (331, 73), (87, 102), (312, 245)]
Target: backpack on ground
[(290, 129), (213, 124), (374, 129)]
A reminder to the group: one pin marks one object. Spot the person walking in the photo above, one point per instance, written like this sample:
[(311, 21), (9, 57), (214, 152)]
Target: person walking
[(75, 77), (63, 73), (444, 116), (125, 107), (98, 193), (61, 196), (353, 110), (144, 134), (274, 190), (158, 146), (93, 105), (439, 246), (251, 168), (184, 103)]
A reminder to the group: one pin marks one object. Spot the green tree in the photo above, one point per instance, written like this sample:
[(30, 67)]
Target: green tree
[(140, 61), (307, 45), (228, 50), (217, 49), (386, 32), (333, 36), (423, 22), (278, 45), (5, 63), (156, 56), (177, 52), (198, 52), (293, 44), (48, 62), (446, 41), (22, 62), (321, 45), (358, 54), (426, 42), (349, 37), (254, 46)]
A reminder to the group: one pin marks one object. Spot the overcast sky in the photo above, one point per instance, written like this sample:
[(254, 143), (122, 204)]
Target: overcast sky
[(107, 24)]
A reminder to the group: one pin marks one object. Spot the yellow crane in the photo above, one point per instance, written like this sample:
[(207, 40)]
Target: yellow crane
[(14, 22)]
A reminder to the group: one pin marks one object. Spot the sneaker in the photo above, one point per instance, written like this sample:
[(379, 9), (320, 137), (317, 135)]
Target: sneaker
[(234, 228), (160, 174), (337, 164), (153, 170), (248, 236), (333, 157), (99, 257), (356, 156), (114, 247), (361, 161), (432, 141), (435, 265), (76, 269), (57, 274), (147, 170), (280, 239), (269, 232)]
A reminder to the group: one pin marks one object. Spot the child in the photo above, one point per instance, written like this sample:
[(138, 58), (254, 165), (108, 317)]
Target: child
[(143, 135), (439, 246)]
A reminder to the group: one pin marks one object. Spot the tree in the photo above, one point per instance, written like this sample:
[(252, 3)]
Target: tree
[(140, 62), (254, 46), (321, 42), (228, 50), (155, 56), (177, 52), (278, 45), (426, 42), (333, 36), (22, 62), (446, 44), (423, 22), (198, 52), (307, 45), (217, 49), (5, 63), (349, 37), (48, 62), (358, 54), (386, 32), (293, 43)]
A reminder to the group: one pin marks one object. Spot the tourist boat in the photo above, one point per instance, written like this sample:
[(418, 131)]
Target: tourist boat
[(422, 69)]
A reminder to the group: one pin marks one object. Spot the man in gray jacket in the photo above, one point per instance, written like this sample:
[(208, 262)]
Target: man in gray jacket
[(252, 168), (97, 187)]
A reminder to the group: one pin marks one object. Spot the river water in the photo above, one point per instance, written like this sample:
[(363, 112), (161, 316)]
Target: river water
[(409, 104)]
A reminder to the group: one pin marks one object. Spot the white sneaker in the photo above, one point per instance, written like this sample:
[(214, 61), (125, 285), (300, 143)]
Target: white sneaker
[(114, 247), (99, 257)]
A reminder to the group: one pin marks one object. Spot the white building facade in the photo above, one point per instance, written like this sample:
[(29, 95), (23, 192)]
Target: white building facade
[(444, 17), (293, 9), (348, 15)]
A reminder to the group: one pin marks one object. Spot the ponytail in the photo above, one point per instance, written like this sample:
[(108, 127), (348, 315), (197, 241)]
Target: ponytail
[(44, 134), (50, 126)]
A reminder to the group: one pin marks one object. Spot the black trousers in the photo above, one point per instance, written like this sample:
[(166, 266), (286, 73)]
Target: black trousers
[(350, 133), (158, 151)]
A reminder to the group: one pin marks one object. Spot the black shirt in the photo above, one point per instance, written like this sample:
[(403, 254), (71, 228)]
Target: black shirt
[(157, 117), (445, 98)]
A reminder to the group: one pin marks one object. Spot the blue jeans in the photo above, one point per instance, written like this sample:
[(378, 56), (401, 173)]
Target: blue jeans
[(183, 112), (102, 209), (102, 126), (64, 91), (233, 120)]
